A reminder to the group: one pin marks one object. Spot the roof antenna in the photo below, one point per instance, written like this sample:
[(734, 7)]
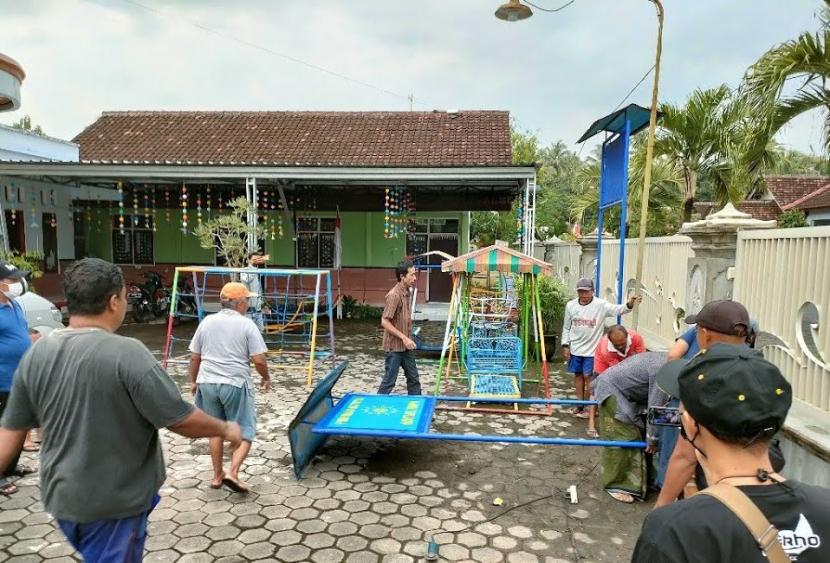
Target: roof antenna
[(411, 99)]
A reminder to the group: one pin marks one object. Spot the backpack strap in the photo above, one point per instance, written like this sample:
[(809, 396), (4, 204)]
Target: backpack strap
[(765, 534)]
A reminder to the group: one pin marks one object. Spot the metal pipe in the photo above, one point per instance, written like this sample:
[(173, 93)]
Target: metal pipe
[(477, 438)]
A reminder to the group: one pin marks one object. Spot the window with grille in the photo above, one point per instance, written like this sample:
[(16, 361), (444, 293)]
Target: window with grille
[(135, 246), (315, 242)]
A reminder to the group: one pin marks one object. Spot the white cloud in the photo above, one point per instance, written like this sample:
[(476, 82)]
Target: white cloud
[(556, 73)]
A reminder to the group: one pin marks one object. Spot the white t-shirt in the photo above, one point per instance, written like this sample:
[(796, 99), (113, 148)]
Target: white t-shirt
[(585, 324), (226, 341), (254, 285)]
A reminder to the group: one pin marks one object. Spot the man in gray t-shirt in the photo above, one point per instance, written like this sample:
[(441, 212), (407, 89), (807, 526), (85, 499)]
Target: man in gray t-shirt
[(100, 399), (222, 350)]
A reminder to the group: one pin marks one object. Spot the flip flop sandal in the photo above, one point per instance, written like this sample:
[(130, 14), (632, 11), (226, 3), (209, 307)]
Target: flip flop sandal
[(582, 414), (624, 501), (235, 486), (31, 448), (592, 433), (7, 489)]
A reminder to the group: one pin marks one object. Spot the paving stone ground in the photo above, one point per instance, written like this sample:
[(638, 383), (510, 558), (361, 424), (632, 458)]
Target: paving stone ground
[(366, 501)]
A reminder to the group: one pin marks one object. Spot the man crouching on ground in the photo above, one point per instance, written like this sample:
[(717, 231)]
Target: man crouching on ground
[(100, 399), (220, 376)]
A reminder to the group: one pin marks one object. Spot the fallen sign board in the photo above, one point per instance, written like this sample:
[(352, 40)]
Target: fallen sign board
[(407, 417)]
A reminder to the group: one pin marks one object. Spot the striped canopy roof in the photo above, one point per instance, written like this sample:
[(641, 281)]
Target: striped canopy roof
[(496, 259)]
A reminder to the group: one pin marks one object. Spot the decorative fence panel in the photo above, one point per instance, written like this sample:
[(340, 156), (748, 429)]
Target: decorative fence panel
[(782, 276)]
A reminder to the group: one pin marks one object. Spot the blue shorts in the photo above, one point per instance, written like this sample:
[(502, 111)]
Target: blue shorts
[(581, 365), (229, 403), (104, 541)]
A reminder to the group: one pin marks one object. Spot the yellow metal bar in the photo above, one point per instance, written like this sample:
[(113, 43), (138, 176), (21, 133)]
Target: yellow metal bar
[(314, 330)]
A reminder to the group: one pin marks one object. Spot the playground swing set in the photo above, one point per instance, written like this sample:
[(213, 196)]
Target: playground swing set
[(491, 326), (290, 303)]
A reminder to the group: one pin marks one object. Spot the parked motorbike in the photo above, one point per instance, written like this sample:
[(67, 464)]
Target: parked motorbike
[(148, 298), (185, 301)]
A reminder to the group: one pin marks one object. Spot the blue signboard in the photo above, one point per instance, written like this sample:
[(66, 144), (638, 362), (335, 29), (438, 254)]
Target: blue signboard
[(614, 177), (393, 413)]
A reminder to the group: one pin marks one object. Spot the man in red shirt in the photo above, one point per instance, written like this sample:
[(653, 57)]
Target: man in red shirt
[(618, 344)]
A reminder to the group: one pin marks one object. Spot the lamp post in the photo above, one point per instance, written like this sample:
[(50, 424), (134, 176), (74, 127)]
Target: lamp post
[(514, 11)]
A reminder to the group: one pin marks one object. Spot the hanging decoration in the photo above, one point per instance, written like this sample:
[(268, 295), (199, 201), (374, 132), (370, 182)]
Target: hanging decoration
[(198, 208), (167, 205), (273, 215), (184, 208), (220, 199), (146, 207), (520, 219), (34, 208), (120, 208), (279, 217), (208, 202), (154, 209), (135, 206), (98, 210)]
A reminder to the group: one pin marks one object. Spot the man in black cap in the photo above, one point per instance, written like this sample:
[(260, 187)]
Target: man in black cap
[(732, 402), (14, 341), (719, 321)]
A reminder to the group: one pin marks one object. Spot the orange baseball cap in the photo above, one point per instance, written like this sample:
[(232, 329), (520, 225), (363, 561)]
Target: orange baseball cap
[(235, 290)]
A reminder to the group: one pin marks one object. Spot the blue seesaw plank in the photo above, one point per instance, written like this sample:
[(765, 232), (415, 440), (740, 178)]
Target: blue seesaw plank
[(382, 413)]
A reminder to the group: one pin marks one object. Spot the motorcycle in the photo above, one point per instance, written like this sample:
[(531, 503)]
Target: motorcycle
[(148, 298), (185, 301)]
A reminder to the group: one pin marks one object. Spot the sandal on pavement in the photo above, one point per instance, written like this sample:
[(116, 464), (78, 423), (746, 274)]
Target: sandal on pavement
[(31, 448), (581, 414), (6, 488), (592, 433), (624, 498)]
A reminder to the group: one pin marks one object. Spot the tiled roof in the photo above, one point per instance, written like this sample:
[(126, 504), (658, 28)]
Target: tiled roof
[(764, 210), (814, 200), (787, 189), (425, 139)]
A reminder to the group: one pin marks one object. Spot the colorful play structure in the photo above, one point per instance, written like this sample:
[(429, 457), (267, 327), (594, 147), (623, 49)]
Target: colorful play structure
[(290, 302), (407, 417), (495, 315)]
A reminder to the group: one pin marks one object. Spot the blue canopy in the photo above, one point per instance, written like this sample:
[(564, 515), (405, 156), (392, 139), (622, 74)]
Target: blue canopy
[(614, 122)]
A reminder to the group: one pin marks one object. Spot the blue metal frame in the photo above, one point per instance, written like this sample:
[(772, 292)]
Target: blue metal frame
[(613, 190)]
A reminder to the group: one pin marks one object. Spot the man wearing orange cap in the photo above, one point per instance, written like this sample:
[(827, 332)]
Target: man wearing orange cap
[(220, 376)]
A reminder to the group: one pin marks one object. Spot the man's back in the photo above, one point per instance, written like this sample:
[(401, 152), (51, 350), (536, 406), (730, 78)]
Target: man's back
[(100, 399), (226, 341), (703, 530)]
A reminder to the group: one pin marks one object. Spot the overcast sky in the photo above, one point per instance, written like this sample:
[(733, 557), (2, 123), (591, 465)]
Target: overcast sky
[(555, 73)]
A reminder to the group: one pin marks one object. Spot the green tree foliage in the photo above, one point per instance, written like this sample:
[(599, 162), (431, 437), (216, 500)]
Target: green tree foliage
[(228, 233), (792, 218), (25, 124)]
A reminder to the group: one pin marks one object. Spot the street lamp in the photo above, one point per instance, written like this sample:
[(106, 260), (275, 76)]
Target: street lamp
[(515, 11)]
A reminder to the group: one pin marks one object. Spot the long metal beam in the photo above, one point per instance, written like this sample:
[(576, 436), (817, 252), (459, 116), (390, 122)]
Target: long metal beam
[(301, 173)]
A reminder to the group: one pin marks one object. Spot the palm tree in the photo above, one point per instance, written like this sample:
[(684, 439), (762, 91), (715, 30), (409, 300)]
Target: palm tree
[(664, 200), (695, 136), (805, 60)]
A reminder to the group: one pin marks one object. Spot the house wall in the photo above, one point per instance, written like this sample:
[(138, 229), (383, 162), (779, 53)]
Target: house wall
[(368, 257), (19, 145), (30, 199)]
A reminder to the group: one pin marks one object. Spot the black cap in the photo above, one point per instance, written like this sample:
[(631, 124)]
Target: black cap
[(11, 272), (732, 390), (724, 317)]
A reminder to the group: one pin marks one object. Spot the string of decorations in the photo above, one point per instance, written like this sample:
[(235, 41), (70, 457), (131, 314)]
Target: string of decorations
[(520, 229), (198, 208), (12, 198), (155, 210), (208, 202), (184, 209), (135, 207), (399, 212), (146, 195), (167, 205), (120, 208), (34, 208)]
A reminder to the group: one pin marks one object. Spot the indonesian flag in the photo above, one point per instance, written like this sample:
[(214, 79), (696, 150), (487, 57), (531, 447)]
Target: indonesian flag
[(338, 242)]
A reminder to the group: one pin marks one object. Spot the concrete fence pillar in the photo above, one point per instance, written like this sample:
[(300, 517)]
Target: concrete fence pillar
[(714, 242)]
